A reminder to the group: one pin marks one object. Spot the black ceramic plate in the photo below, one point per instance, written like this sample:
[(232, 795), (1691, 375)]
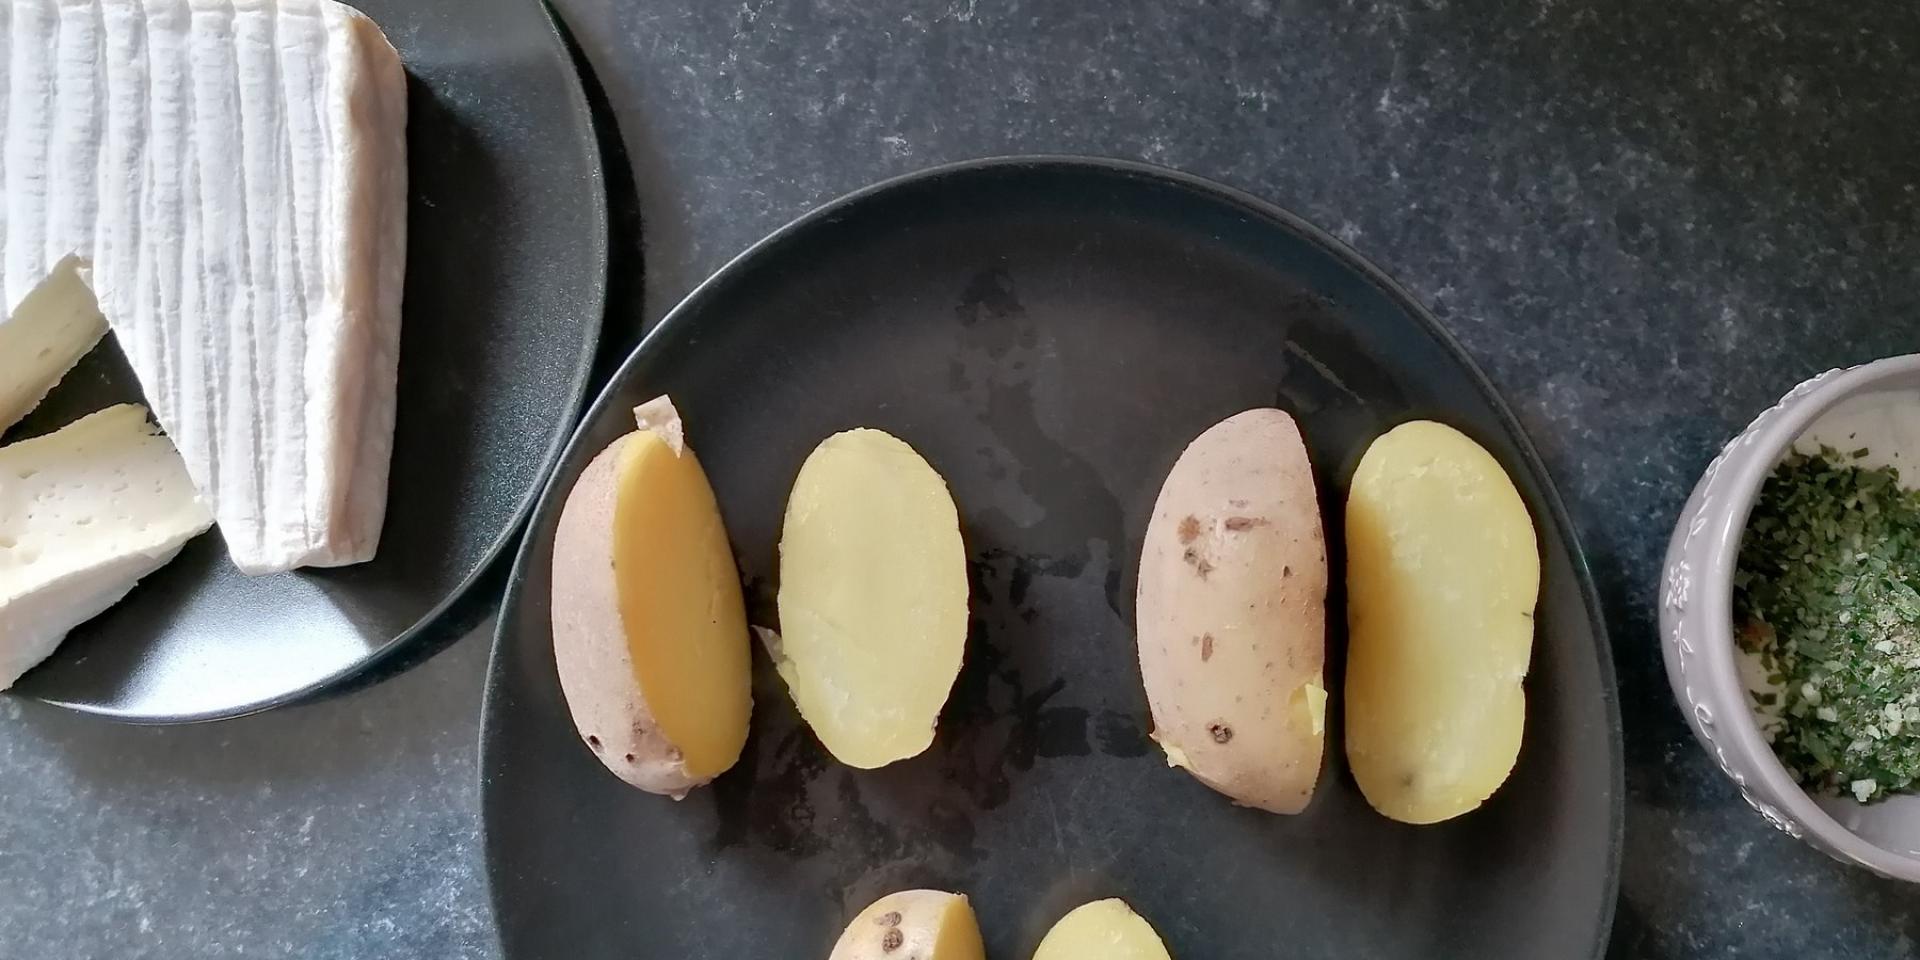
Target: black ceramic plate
[(506, 275), (1049, 334)]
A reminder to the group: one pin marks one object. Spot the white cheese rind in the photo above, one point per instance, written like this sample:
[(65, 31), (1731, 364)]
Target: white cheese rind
[(235, 173), (85, 512), (55, 325)]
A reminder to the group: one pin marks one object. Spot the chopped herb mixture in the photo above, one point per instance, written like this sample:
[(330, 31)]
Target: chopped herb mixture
[(1826, 602)]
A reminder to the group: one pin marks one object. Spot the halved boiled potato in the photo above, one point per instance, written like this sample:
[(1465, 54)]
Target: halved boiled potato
[(873, 597), (1443, 572), (1232, 613), (649, 629), (1102, 930), (912, 925)]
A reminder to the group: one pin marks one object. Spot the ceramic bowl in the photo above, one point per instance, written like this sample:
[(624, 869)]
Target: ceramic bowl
[(1876, 406)]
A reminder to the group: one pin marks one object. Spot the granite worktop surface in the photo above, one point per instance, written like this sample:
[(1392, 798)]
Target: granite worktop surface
[(1645, 219)]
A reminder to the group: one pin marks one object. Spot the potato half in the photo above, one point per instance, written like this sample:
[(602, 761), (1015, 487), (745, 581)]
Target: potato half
[(1231, 611), (649, 630), (873, 597), (1102, 930), (912, 925), (1443, 572)]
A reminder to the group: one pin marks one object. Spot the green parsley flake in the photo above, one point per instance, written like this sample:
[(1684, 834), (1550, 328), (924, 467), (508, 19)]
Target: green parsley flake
[(1825, 595)]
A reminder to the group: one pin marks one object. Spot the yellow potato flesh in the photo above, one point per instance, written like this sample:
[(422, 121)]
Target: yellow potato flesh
[(957, 935), (1443, 572), (1102, 930), (680, 604), (913, 925), (873, 597)]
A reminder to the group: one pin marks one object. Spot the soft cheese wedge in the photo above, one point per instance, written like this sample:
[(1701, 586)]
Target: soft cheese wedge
[(873, 597), (84, 514), (649, 627), (233, 173), (52, 328)]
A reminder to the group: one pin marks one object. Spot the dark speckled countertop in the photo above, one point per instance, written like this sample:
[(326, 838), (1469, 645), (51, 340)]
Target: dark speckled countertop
[(1645, 219)]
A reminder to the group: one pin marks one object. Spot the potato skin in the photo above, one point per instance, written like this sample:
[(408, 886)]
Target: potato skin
[(1231, 610), (1443, 573), (912, 925), (649, 626), (590, 645)]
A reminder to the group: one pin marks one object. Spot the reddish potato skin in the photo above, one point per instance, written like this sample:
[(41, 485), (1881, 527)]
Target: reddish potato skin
[(590, 644), (1231, 609)]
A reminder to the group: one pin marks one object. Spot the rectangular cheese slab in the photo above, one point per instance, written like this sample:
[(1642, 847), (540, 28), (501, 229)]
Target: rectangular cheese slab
[(233, 175), (85, 512)]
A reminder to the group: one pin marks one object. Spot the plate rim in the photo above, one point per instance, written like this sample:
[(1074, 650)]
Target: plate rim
[(464, 607), (690, 304)]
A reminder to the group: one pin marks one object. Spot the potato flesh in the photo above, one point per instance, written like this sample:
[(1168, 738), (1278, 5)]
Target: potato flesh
[(1102, 930), (873, 597), (680, 604), (913, 925), (1443, 573), (1232, 613)]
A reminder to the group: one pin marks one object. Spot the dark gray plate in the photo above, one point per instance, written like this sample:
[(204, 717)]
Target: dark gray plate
[(1049, 333), (506, 279)]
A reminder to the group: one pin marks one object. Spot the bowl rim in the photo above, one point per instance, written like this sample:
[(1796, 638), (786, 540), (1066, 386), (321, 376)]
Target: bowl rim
[(1771, 439)]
